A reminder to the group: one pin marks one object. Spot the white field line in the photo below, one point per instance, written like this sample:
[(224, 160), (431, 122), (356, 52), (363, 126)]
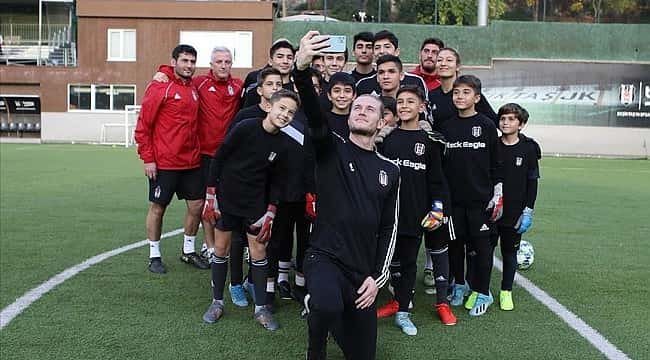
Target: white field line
[(594, 337), (586, 331), (23, 302)]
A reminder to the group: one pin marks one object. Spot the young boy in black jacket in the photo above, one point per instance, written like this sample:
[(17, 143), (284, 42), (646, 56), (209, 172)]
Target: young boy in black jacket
[(519, 155), (423, 192), (243, 168), (474, 175)]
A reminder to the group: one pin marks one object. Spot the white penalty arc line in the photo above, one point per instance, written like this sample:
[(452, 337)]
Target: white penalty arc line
[(590, 334), (23, 302)]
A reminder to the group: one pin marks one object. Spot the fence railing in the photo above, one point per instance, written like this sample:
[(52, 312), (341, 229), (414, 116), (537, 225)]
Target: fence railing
[(27, 34)]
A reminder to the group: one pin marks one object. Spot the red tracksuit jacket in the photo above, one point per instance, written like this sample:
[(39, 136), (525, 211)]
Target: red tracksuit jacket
[(166, 132), (218, 103), (432, 81)]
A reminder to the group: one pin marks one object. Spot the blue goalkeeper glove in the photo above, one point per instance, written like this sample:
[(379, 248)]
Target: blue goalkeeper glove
[(525, 220)]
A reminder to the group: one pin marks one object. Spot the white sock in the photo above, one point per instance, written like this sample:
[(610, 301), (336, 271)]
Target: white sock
[(283, 270), (429, 264), (204, 247), (154, 249), (270, 286), (300, 280), (188, 244), (258, 308), (220, 302)]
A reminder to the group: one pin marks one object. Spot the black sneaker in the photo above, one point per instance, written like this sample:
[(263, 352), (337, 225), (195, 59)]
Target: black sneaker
[(156, 266), (298, 293), (284, 290), (195, 260)]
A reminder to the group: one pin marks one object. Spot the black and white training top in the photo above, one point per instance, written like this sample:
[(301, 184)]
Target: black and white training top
[(471, 165), (441, 107), (422, 180), (357, 192), (245, 169), (369, 85), (520, 177)]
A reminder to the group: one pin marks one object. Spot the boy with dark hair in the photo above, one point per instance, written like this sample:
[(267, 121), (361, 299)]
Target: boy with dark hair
[(341, 93), (390, 110), (475, 179), (362, 47), (269, 81), (390, 73), (319, 64), (385, 43), (428, 59), (422, 193), (281, 57), (519, 155), (248, 180), (334, 62)]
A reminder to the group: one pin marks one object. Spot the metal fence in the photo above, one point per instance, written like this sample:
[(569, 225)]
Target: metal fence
[(27, 34)]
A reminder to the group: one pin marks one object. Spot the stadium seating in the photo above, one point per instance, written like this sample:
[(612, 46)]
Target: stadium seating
[(21, 126), (13, 127), (4, 126), (37, 127), (29, 127)]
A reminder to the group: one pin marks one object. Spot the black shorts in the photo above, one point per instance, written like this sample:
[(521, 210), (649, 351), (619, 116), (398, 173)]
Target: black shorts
[(439, 239), (205, 169), (229, 222), (186, 184), (474, 222)]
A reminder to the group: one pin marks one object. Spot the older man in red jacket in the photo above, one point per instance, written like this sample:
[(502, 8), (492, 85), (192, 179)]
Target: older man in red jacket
[(168, 144)]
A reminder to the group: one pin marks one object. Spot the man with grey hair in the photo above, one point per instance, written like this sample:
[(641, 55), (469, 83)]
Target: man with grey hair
[(219, 100)]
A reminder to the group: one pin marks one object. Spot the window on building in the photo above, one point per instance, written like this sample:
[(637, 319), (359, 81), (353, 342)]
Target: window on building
[(100, 97), (79, 98), (121, 44), (240, 44)]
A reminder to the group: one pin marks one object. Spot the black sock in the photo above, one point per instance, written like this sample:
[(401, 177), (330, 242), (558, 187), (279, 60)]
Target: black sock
[(219, 268), (237, 262), (270, 298), (509, 268), (440, 259), (259, 270)]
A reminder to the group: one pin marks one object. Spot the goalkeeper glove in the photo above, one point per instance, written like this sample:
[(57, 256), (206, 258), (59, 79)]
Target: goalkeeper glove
[(433, 219), (211, 210), (310, 206), (262, 227), (496, 203), (525, 220)]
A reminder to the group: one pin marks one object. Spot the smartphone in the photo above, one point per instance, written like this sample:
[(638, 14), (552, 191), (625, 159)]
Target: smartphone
[(337, 43)]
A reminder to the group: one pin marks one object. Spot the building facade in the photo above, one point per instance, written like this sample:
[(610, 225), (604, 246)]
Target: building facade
[(119, 46)]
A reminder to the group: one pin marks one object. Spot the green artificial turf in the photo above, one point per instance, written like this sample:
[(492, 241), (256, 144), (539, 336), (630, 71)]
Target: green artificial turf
[(61, 204)]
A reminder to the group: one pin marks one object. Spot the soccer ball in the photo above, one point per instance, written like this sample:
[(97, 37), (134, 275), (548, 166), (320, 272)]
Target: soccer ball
[(525, 255)]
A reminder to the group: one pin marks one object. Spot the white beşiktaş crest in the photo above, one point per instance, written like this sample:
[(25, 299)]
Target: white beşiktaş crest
[(383, 178), (627, 94), (419, 149), (272, 156), (519, 160), (476, 131)]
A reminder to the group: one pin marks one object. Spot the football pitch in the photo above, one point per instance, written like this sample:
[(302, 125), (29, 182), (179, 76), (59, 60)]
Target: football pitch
[(63, 204)]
